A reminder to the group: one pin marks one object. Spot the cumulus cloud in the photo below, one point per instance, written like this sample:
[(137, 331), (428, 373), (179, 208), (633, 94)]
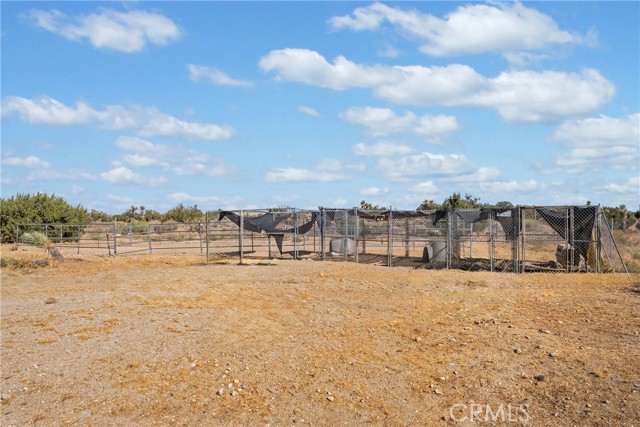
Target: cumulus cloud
[(124, 175), (29, 162), (309, 111), (326, 170), (424, 164), (599, 143), (518, 96), (173, 158), (297, 175), (470, 29), (630, 186), (424, 189), (384, 121), (374, 191), (198, 73), (381, 149), (308, 66), (41, 170), (128, 31), (146, 121), (513, 186), (219, 202)]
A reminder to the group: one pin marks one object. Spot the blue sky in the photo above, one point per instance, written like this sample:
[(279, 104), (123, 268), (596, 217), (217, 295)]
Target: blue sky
[(262, 104)]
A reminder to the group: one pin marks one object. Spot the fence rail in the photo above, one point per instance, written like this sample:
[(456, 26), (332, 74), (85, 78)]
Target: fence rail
[(520, 239)]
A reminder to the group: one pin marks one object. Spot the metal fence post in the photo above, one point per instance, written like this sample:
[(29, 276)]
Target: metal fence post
[(345, 231), (390, 240), (149, 238), (449, 239), (115, 237), (598, 240), (295, 233), (241, 237), (200, 235), (356, 232), (206, 232), (78, 238), (323, 226)]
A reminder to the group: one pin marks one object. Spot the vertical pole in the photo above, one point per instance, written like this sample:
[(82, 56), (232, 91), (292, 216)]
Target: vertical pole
[(206, 233), (345, 231), (199, 235), (519, 239), (356, 232), (78, 238), (115, 237), (241, 236), (471, 242), (390, 239), (492, 224), (323, 228), (406, 236), (295, 233), (598, 240), (149, 239), (449, 239)]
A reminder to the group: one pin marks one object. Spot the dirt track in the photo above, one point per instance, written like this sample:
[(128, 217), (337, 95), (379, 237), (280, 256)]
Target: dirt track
[(154, 341)]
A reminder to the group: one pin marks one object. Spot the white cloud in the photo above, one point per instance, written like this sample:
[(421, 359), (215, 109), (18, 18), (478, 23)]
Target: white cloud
[(124, 175), (29, 161), (41, 170), (332, 165), (309, 111), (426, 188), (631, 187), (177, 159), (389, 52), (483, 174), (381, 149), (326, 170), (219, 202), (374, 191), (599, 143), (470, 29), (424, 164), (298, 175), (510, 186), (108, 29), (215, 76), (146, 121), (519, 96), (310, 67), (384, 121)]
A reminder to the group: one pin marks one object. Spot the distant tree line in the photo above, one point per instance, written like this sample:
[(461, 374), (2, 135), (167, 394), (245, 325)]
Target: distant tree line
[(42, 208)]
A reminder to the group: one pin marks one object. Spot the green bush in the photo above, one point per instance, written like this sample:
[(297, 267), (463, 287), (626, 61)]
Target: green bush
[(38, 208), (183, 214)]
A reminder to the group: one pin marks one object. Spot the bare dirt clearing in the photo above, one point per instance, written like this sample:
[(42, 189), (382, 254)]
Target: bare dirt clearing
[(173, 341)]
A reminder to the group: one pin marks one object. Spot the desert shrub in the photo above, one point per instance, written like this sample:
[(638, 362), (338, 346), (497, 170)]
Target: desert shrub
[(38, 209), (183, 214)]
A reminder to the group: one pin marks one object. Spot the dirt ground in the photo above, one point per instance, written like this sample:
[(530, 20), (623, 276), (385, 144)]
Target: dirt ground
[(162, 340)]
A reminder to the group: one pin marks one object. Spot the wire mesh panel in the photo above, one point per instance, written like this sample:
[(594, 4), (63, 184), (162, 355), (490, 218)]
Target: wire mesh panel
[(340, 234), (608, 255)]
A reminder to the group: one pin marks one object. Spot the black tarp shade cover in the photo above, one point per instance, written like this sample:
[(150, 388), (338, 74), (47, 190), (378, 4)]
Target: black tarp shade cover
[(269, 223), (583, 220)]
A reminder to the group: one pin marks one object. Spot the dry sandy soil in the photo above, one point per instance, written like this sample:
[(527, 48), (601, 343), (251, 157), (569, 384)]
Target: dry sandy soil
[(159, 340)]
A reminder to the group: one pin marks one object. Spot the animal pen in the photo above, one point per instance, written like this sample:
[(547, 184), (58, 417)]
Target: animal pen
[(518, 239)]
